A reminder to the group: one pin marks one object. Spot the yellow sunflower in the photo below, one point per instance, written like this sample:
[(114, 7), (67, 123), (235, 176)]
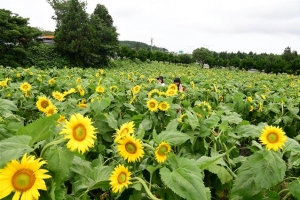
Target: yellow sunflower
[(51, 81), (58, 96), (251, 109), (263, 96), (130, 149), (25, 87), (61, 119), (50, 110), (82, 104), (260, 107), (182, 117), (24, 178), (136, 89), (43, 103), (164, 106), (273, 137), (162, 151), (170, 93), (80, 132), (205, 107), (152, 105), (100, 89), (173, 87), (113, 88), (125, 129), (154, 93), (249, 99), (120, 178), (80, 90)]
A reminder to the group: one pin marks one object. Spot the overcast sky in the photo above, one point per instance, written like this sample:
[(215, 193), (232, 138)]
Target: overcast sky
[(219, 25)]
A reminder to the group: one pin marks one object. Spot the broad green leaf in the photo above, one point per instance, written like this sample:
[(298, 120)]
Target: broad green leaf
[(59, 161), (224, 126), (99, 106), (112, 122), (185, 179), (291, 145), (39, 129), (172, 126), (146, 124), (81, 167), (204, 162), (294, 188), (212, 121), (232, 118), (192, 120), (260, 171), (100, 177), (250, 130), (7, 105), (13, 148), (173, 137), (221, 172)]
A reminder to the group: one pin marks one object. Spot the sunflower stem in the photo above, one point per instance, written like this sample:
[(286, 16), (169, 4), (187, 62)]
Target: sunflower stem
[(146, 188), (150, 147), (50, 144), (286, 196)]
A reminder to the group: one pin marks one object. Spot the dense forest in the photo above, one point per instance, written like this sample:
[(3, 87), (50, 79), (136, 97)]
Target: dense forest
[(91, 40)]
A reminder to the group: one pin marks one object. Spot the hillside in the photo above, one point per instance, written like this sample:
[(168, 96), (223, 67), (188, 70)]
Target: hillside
[(141, 45)]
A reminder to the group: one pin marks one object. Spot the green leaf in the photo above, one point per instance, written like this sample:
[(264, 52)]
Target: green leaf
[(7, 105), (294, 188), (99, 106), (81, 167), (39, 129), (204, 162), (221, 172), (212, 121), (224, 126), (100, 177), (13, 148), (192, 120), (250, 130), (173, 137), (112, 122), (59, 161), (185, 179), (146, 124), (260, 171), (232, 118), (172, 126)]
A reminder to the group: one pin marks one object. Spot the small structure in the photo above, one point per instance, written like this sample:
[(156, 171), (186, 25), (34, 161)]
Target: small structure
[(205, 66), (47, 39)]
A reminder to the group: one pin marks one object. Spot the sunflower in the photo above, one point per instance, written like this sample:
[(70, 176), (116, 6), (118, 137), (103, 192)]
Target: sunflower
[(50, 110), (82, 104), (24, 178), (80, 132), (263, 96), (251, 109), (51, 81), (164, 106), (170, 93), (61, 119), (161, 152), (154, 93), (25, 87), (249, 99), (113, 88), (132, 99), (273, 137), (125, 129), (136, 89), (70, 91), (152, 105), (120, 178), (43, 103), (78, 80), (260, 107), (130, 149), (173, 87), (80, 90), (100, 89), (182, 117), (58, 96), (205, 106)]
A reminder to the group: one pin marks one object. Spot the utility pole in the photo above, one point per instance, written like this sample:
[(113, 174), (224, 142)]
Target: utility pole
[(151, 43)]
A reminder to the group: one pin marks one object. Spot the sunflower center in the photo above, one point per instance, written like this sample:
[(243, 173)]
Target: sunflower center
[(23, 180), (44, 104), (152, 105), (25, 87), (164, 106), (162, 151), (130, 148), (79, 132), (272, 137), (122, 178)]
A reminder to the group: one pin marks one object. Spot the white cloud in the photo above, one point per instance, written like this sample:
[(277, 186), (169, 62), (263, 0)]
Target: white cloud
[(231, 25)]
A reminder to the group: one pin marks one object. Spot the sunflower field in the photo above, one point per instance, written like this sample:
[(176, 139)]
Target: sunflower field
[(101, 134)]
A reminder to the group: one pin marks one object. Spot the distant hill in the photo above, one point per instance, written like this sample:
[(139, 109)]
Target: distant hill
[(141, 45)]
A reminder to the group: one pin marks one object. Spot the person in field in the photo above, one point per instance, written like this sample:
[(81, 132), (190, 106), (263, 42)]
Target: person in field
[(160, 80), (178, 83)]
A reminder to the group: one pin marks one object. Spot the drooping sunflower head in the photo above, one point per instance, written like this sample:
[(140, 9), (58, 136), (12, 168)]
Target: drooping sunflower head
[(263, 97), (136, 89), (162, 151), (273, 137), (58, 96), (125, 129), (25, 87), (154, 93), (24, 178), (100, 89), (164, 106), (130, 149), (80, 132), (80, 90), (181, 118), (152, 105), (251, 109), (260, 107), (43, 103), (120, 178)]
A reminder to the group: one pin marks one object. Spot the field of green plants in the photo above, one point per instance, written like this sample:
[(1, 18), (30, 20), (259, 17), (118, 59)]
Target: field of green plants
[(85, 134)]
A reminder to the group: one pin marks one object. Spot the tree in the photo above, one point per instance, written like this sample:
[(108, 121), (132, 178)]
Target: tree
[(60, 8), (202, 55), (73, 36), (15, 38)]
